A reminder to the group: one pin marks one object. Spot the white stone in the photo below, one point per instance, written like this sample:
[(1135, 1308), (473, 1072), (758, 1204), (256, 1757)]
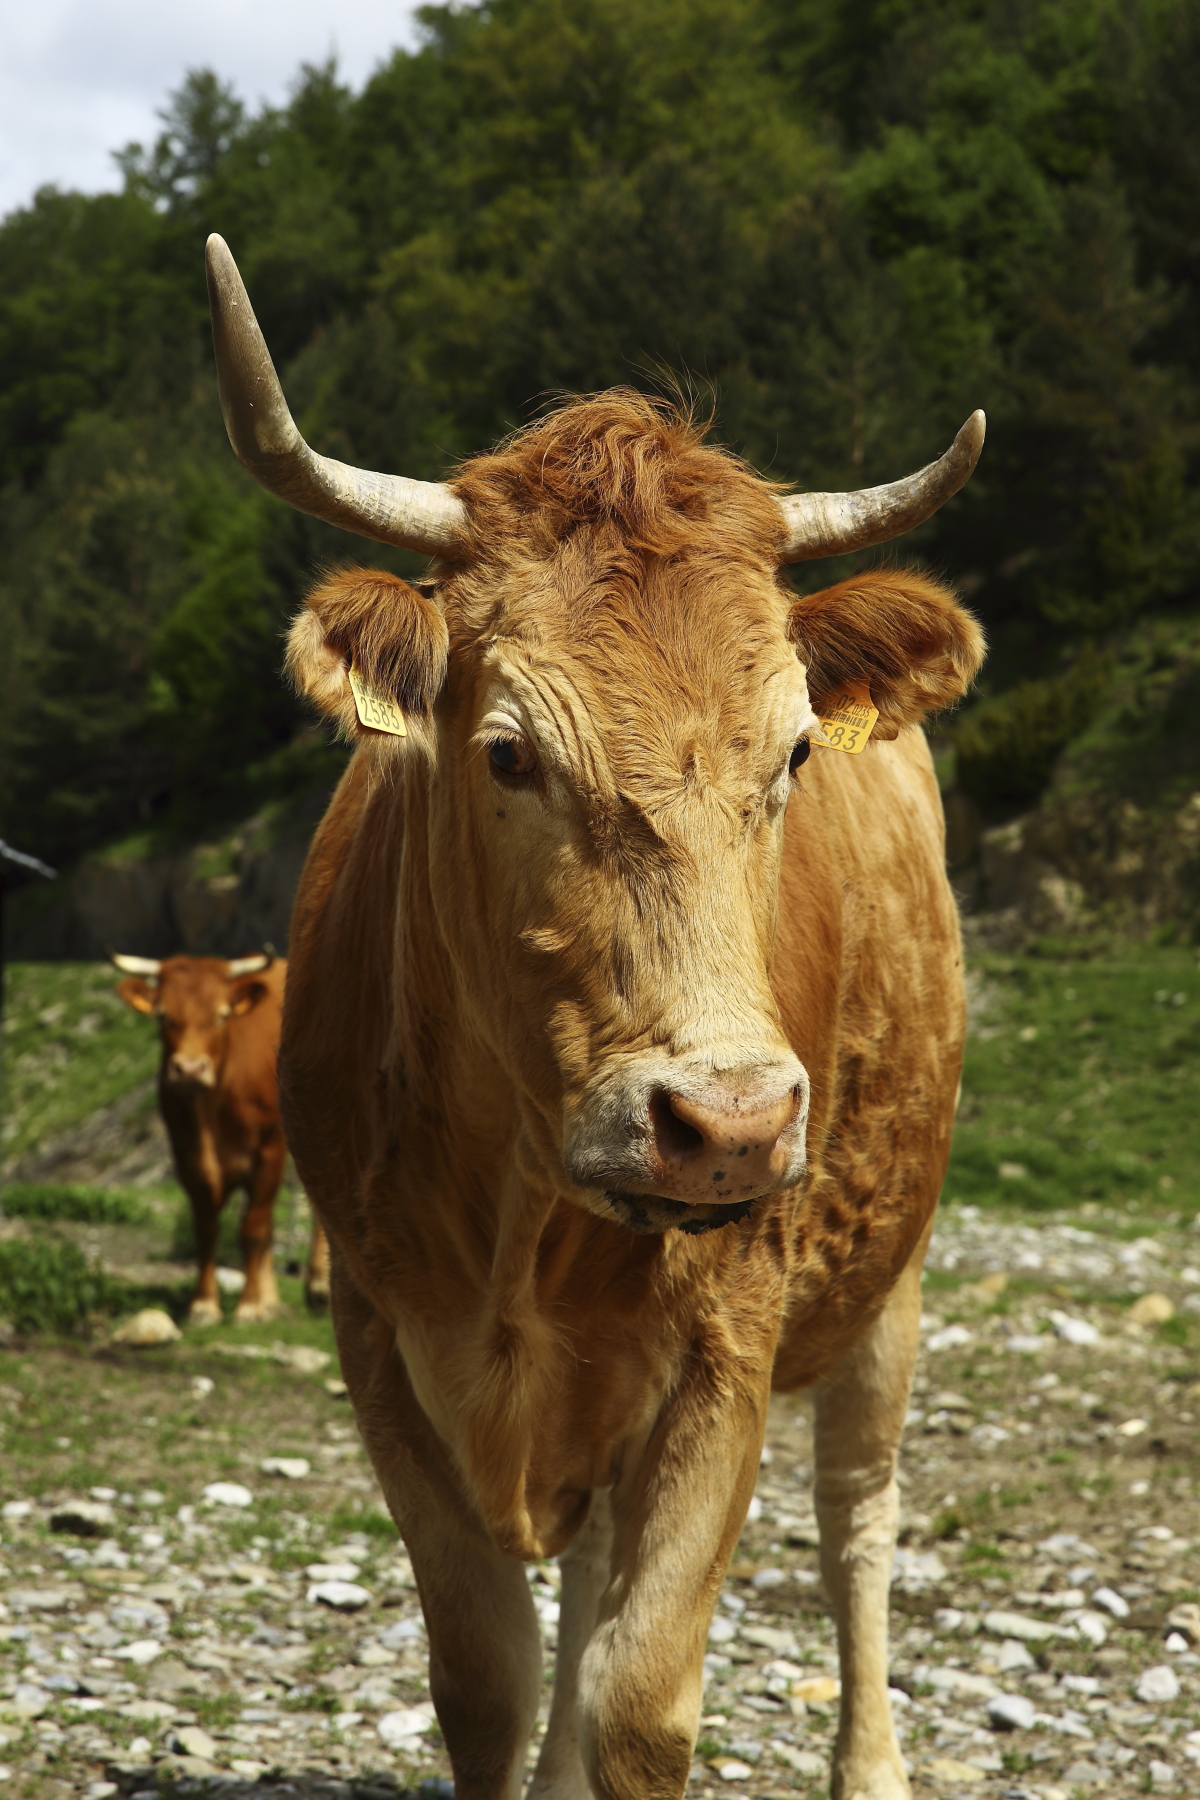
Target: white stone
[(722, 1631), (228, 1493), (29, 1701), (1011, 1712), (1176, 1643), (141, 1653), (804, 1762), (291, 1468), (733, 1770), (1112, 1602), (1161, 1773), (332, 1571), (951, 1337), (83, 1518), (195, 1742), (1013, 1655), (407, 1631), (1016, 1625), (961, 1683), (230, 1281), (145, 1329), (1074, 1331), (400, 1729), (1158, 1684), (763, 1579), (343, 1596), (13, 1510)]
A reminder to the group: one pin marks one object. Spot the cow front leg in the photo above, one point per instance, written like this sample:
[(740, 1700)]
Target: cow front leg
[(859, 1418), (586, 1567), (260, 1296), (677, 1514), (485, 1661)]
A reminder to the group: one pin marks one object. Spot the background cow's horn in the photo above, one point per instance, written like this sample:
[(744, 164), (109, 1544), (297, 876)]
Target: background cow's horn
[(830, 524), (249, 965), (135, 965), (421, 515)]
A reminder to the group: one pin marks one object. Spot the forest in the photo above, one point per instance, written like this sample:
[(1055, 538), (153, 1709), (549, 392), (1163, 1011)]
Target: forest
[(837, 225)]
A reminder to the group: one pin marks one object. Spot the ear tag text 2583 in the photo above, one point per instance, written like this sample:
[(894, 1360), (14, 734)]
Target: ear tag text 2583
[(848, 718), (376, 708)]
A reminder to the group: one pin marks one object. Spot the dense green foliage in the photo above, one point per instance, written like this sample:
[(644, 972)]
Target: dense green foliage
[(47, 1284), (848, 223)]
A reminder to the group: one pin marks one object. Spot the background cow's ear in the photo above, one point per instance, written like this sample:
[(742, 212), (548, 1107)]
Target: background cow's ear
[(245, 995), (903, 633), (393, 636), (134, 992)]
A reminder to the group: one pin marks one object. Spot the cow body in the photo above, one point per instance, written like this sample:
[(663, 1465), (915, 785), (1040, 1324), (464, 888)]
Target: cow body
[(621, 1064), (218, 1095)]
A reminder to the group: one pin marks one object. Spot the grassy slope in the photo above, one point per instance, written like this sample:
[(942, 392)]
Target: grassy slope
[(1086, 1075)]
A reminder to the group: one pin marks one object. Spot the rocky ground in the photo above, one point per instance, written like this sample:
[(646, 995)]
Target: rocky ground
[(201, 1594)]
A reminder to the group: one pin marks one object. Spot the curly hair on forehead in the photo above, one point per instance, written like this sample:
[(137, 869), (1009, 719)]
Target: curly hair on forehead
[(622, 458)]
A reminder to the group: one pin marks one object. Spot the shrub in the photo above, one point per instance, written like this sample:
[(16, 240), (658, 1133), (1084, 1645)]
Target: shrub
[(1007, 747), (49, 1285), (74, 1201)]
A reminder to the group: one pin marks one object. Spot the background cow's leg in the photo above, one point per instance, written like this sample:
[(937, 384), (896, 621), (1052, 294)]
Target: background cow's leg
[(316, 1276), (485, 1663), (260, 1296), (859, 1418), (206, 1215), (586, 1567), (677, 1515)]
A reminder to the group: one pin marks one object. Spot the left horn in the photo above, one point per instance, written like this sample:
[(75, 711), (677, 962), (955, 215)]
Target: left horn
[(134, 965), (249, 965), (421, 515), (831, 524)]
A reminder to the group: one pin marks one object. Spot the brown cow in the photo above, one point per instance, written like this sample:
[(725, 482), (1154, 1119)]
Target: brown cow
[(218, 1093), (621, 1046)]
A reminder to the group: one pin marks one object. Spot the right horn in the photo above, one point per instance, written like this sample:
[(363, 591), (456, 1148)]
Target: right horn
[(831, 524), (421, 515), (134, 965)]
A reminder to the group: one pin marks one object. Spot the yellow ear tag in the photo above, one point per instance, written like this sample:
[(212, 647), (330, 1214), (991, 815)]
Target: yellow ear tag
[(376, 708), (849, 718)]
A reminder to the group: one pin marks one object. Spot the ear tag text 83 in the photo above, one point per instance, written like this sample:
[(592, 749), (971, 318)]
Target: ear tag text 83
[(377, 709), (848, 718)]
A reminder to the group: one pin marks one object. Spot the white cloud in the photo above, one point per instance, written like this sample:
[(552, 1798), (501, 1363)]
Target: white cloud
[(82, 78)]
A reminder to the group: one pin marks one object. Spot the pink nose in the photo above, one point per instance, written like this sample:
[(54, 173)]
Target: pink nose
[(725, 1148), (193, 1070)]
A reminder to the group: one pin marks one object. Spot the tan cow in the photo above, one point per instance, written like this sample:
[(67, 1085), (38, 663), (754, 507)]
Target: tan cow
[(621, 1046), (218, 1094)]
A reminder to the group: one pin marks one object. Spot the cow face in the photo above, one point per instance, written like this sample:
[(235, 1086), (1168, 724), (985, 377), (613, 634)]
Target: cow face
[(193, 999), (612, 713)]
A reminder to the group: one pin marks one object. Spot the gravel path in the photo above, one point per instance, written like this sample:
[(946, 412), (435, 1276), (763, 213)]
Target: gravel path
[(237, 1635)]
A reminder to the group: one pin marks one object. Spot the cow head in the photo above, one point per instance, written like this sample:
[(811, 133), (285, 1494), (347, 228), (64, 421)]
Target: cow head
[(608, 692), (193, 998)]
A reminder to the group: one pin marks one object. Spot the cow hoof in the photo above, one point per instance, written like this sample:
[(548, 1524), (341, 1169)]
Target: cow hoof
[(316, 1297), (257, 1312), (204, 1312), (883, 1782)]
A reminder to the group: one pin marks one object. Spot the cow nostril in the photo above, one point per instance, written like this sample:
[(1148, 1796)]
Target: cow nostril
[(673, 1135)]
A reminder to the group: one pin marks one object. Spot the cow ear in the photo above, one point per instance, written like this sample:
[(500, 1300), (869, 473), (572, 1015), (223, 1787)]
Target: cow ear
[(393, 637), (246, 995), (905, 635), (134, 992)]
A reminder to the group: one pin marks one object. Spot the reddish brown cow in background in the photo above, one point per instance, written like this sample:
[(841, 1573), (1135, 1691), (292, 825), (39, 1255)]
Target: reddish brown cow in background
[(217, 1090)]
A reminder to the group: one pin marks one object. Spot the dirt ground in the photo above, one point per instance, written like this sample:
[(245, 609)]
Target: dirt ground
[(1050, 1553)]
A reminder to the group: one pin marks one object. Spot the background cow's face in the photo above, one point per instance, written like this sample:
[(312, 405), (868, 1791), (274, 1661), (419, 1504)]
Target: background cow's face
[(193, 1000), (613, 699)]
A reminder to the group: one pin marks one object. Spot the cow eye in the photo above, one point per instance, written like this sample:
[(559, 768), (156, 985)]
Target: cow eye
[(800, 750), (512, 756)]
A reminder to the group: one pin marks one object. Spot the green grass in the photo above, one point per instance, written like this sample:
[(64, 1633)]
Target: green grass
[(75, 1201), (70, 1047), (1085, 1074)]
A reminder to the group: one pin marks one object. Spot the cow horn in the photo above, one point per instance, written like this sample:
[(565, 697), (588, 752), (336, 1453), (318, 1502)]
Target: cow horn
[(249, 965), (134, 965), (830, 524), (421, 515)]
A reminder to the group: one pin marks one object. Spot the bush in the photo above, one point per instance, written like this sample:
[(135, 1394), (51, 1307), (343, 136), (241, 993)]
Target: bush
[(49, 1285), (72, 1200), (1006, 748)]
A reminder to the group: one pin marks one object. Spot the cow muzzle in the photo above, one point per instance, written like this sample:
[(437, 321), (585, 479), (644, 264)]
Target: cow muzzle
[(191, 1071), (689, 1147)]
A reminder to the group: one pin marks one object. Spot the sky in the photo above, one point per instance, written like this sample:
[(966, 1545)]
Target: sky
[(82, 78)]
